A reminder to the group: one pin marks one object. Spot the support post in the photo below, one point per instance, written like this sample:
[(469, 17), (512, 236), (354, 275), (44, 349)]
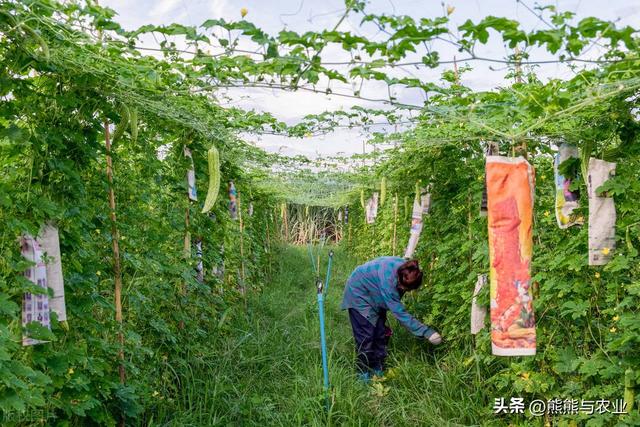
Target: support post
[(395, 222), (242, 271), (115, 240)]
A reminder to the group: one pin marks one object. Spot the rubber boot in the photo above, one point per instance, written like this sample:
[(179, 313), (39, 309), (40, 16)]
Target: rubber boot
[(364, 377)]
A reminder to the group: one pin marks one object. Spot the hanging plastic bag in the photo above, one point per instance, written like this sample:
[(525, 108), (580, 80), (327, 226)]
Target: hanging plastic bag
[(49, 241), (492, 149), (602, 213), (372, 208), (421, 206), (478, 312), (35, 308), (191, 177), (199, 265), (566, 200), (510, 186), (233, 201)]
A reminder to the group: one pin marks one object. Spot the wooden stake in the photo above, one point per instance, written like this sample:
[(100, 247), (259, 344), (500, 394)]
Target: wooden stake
[(115, 239)]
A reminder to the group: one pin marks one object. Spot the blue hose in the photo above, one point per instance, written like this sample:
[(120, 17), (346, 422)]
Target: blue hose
[(323, 344)]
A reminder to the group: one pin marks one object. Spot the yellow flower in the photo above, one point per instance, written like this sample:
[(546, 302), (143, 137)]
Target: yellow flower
[(98, 273), (155, 393), (613, 329), (597, 275), (391, 373), (379, 390), (243, 12), (605, 251), (547, 213), (450, 9), (71, 371), (525, 376), (377, 379), (616, 318)]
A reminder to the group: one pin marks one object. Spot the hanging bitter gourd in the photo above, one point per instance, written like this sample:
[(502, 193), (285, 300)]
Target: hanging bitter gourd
[(362, 198), (213, 157), (406, 206), (133, 122), (122, 126), (128, 119), (383, 190), (629, 394), (585, 153)]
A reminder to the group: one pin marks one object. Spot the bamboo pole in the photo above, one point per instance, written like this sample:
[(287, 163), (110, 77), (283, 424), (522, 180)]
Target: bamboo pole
[(242, 272), (455, 71), (115, 240), (518, 66), (241, 236), (395, 222), (286, 222), (519, 149), (115, 237), (469, 232), (268, 246), (186, 253), (268, 238)]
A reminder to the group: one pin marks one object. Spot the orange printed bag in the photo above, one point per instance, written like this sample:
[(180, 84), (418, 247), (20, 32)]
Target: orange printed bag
[(510, 186)]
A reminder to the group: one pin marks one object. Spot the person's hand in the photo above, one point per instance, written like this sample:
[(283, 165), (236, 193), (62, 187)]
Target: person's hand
[(435, 338)]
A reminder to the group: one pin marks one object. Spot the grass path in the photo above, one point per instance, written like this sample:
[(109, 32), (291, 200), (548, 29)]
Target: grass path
[(265, 368)]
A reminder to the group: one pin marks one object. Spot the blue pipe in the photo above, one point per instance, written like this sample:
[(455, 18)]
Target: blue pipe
[(323, 344)]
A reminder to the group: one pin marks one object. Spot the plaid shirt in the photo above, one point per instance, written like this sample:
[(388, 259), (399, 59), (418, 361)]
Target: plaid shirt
[(372, 289)]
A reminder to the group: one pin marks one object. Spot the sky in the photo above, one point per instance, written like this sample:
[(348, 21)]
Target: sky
[(304, 15)]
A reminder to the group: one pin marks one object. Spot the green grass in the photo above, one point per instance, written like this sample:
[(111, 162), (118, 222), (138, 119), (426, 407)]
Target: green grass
[(263, 367)]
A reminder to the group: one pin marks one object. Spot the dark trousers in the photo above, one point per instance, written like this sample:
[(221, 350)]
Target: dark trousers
[(371, 340)]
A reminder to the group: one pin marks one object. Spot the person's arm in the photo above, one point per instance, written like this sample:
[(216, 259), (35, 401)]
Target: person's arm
[(414, 326)]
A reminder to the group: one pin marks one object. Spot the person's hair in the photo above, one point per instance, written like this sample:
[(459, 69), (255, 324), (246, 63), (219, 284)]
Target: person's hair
[(409, 275)]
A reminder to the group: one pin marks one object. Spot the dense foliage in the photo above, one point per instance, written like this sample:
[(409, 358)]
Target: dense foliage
[(53, 162), (587, 317)]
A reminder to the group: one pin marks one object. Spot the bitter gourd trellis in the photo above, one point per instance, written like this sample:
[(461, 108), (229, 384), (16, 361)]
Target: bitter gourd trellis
[(60, 82)]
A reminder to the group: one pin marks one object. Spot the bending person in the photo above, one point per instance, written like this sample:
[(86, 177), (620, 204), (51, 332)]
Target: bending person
[(371, 290)]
